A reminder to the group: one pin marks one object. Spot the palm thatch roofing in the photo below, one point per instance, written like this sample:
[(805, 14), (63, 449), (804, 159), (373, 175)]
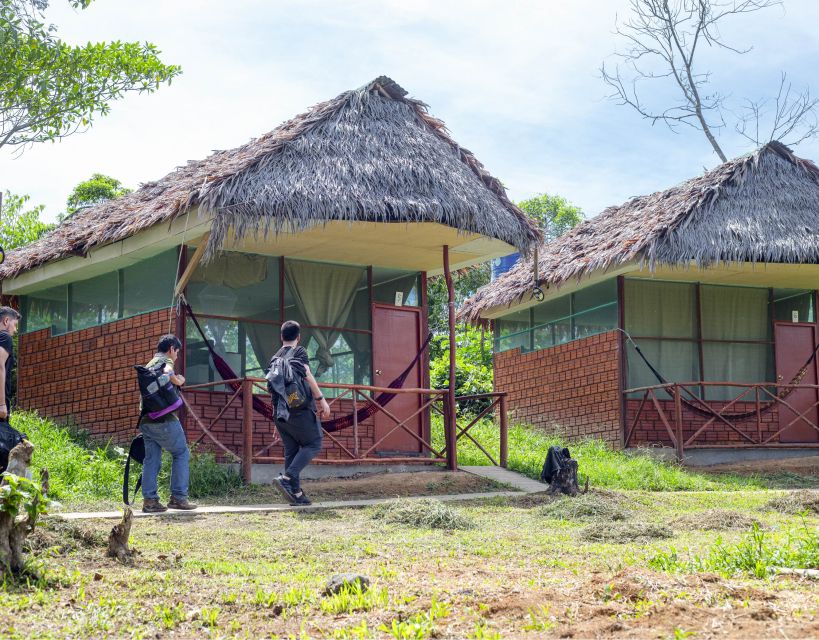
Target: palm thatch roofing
[(370, 154), (761, 207)]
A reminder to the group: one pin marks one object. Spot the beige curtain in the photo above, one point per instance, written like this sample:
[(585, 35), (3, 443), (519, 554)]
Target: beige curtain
[(324, 296)]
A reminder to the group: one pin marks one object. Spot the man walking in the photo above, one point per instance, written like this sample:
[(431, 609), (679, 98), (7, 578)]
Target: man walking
[(8, 328), (165, 433), (301, 432)]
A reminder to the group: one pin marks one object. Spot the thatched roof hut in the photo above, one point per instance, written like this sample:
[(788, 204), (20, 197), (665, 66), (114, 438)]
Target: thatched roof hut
[(759, 208), (368, 155)]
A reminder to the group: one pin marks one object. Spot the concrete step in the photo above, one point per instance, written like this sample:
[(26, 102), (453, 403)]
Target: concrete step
[(511, 478)]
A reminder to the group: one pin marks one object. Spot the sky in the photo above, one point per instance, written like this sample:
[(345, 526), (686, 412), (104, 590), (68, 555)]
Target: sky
[(516, 82)]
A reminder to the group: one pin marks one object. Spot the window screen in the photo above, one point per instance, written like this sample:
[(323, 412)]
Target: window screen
[(94, 301), (148, 285), (46, 309)]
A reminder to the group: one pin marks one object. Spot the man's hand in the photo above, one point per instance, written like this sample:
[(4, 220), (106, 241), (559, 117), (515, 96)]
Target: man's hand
[(3, 412), (178, 380), (324, 410)]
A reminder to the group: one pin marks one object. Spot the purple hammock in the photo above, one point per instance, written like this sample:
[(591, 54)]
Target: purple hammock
[(265, 409)]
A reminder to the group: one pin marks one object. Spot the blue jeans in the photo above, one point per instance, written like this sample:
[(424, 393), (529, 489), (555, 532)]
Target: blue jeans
[(171, 437)]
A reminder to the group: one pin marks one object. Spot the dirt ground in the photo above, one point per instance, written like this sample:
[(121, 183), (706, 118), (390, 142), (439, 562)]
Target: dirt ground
[(805, 466), (516, 574)]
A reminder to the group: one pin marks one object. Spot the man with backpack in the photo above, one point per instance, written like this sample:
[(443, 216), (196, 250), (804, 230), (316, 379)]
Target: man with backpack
[(295, 409), (9, 436), (162, 430)]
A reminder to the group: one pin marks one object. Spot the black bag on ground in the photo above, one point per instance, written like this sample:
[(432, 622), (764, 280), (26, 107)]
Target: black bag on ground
[(283, 379), (9, 438), (555, 460), (136, 452)]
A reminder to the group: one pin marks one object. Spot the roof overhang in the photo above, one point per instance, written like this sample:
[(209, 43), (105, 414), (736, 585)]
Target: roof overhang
[(410, 246)]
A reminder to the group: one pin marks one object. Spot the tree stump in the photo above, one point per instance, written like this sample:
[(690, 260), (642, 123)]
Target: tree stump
[(118, 538), (21, 504), (565, 480)]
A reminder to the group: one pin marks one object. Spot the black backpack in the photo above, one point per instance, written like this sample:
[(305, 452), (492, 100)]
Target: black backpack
[(9, 438), (136, 452), (282, 375), (159, 394)]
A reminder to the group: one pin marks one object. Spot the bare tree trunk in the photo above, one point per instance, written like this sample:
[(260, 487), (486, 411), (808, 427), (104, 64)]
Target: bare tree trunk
[(15, 528), (118, 538)]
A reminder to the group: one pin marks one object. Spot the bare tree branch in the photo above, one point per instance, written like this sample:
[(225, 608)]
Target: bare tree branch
[(662, 39)]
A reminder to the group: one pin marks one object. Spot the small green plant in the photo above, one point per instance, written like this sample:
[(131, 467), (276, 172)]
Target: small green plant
[(483, 632), (539, 619), (169, 617), (359, 631), (681, 634), (353, 597), (210, 616), (419, 626)]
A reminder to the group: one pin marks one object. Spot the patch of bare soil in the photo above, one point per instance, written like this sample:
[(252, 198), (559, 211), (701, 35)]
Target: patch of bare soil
[(715, 520), (381, 485), (804, 466)]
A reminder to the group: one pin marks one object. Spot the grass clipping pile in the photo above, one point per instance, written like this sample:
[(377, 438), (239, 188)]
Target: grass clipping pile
[(795, 502), (424, 513), (585, 507)]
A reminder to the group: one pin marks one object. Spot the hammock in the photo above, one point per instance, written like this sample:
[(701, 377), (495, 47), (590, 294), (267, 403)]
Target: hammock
[(266, 409), (703, 409)]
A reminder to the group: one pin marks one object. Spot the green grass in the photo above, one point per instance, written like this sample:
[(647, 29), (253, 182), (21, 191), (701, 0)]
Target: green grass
[(603, 465), (86, 472)]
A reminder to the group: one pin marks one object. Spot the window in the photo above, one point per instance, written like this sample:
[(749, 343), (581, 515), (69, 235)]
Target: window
[(144, 286), (236, 285), (586, 312), (94, 301), (691, 332), (399, 288), (148, 285), (793, 305), (47, 309)]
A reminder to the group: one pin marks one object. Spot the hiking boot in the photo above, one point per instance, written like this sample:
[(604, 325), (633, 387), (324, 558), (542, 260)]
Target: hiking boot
[(301, 499), (153, 505), (181, 503), (285, 488)]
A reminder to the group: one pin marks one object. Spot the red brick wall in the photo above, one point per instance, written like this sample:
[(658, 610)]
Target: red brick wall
[(651, 430), (572, 388), (85, 376)]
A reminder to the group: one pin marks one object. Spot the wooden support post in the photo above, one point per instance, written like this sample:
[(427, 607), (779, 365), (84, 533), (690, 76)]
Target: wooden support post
[(678, 423), (504, 434), (451, 453), (247, 429)]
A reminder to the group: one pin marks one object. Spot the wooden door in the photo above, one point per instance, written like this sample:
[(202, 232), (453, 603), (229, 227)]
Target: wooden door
[(794, 345), (396, 339)]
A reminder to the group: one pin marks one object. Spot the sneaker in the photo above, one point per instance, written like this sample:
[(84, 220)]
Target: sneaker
[(181, 503), (301, 499), (153, 505), (285, 488)]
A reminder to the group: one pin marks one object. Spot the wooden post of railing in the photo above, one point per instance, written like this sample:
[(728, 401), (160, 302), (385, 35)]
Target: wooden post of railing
[(504, 434), (451, 429), (678, 422), (758, 416), (247, 429)]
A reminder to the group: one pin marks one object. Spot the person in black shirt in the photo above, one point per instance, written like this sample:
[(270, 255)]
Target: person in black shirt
[(8, 328), (301, 432)]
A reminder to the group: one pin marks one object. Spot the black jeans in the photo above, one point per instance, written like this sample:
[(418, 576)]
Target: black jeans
[(301, 436)]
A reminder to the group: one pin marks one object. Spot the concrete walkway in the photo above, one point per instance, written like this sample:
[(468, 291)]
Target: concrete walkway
[(522, 485)]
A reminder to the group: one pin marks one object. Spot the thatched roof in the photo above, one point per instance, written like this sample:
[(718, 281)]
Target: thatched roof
[(371, 154), (762, 207)]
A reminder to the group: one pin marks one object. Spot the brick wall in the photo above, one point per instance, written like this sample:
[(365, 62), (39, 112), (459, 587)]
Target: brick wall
[(651, 430), (86, 376), (572, 388)]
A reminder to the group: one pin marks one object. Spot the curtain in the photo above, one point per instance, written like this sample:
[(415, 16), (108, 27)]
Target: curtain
[(233, 270), (324, 296), (735, 313), (264, 340), (661, 309)]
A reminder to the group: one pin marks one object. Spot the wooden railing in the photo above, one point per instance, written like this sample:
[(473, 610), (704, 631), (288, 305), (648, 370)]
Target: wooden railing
[(763, 397), (356, 397)]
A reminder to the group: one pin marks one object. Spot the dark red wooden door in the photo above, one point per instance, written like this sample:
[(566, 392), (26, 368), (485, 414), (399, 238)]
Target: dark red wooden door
[(794, 344), (396, 339)]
